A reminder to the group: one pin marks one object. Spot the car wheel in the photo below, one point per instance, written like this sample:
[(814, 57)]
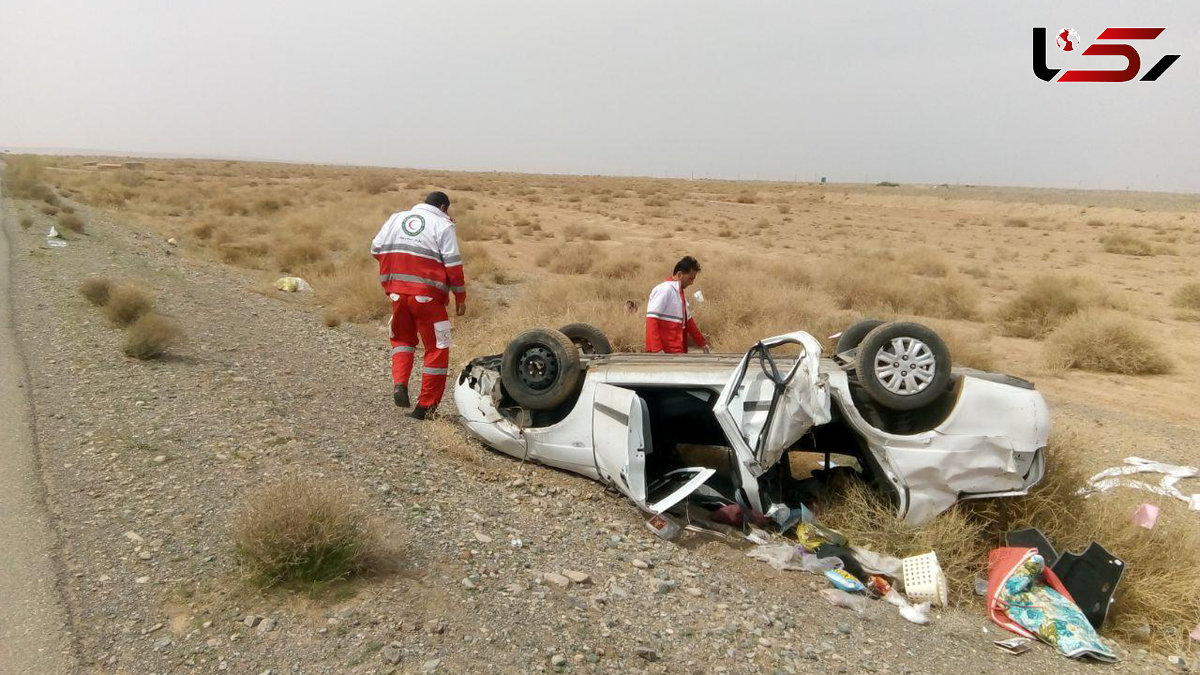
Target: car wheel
[(903, 365), (540, 369), (852, 336), (587, 338)]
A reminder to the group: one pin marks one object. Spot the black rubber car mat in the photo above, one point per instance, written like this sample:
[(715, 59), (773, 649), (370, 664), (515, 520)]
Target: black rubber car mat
[(1091, 578), (1031, 537)]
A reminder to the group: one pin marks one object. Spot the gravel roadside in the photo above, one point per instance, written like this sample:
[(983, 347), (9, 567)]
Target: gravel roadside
[(146, 462)]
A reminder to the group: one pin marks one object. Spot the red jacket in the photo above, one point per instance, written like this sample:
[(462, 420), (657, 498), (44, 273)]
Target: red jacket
[(418, 254), (668, 320)]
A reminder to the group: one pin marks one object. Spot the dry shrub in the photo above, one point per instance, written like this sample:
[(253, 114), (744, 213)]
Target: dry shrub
[(203, 231), (23, 178), (71, 222), (49, 210), (872, 286), (292, 257), (330, 319), (625, 268), (301, 532), (151, 336), (926, 264), (747, 198), (1047, 301), (126, 304), (1188, 296), (352, 291), (657, 201), (96, 290), (570, 258), (373, 182), (1106, 342), (26, 221), (1016, 222), (1157, 591), (1126, 244)]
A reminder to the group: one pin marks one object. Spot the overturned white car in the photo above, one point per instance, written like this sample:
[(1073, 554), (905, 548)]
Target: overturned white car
[(925, 433)]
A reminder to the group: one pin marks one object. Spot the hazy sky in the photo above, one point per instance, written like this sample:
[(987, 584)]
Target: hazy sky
[(909, 92)]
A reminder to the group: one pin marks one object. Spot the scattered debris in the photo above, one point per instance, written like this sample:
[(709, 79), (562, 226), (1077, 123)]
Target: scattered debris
[(1195, 634), (1015, 646), (1027, 598), (292, 284), (843, 580), (924, 579), (1146, 516), (840, 598), (1172, 474)]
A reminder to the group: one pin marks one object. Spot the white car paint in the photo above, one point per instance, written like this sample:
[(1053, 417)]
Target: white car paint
[(990, 445)]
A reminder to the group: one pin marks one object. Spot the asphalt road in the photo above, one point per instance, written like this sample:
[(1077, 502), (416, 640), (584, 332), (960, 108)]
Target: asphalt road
[(33, 621)]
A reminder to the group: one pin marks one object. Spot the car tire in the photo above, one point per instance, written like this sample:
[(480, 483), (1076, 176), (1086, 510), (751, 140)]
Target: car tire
[(852, 336), (540, 369), (587, 338), (903, 365)]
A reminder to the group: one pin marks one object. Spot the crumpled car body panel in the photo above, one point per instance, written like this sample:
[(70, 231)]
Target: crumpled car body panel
[(990, 445)]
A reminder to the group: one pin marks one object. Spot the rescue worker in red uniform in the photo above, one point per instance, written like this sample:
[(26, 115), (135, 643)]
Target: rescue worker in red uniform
[(420, 266), (668, 317)]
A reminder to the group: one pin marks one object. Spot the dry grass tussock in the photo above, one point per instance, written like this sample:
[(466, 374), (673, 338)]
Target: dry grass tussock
[(305, 533), (1188, 296), (877, 285), (151, 336), (96, 290), (1126, 244), (1047, 301), (1158, 590), (23, 179), (126, 304), (1106, 342), (71, 223)]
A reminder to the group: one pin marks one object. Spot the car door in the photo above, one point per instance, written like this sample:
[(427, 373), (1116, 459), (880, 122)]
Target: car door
[(764, 410), (621, 440)]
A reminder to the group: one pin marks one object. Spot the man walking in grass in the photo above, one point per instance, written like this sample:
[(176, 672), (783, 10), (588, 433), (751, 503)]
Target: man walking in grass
[(668, 317), (419, 267)]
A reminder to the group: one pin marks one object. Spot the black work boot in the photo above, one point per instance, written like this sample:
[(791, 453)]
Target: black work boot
[(420, 413), (400, 395)]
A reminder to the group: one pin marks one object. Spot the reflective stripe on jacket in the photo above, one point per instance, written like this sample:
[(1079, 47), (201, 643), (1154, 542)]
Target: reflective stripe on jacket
[(668, 320), (418, 254)]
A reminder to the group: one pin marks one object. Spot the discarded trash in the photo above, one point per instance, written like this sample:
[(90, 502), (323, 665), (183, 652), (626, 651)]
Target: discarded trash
[(55, 243), (780, 556), (734, 515), (52, 233), (980, 587), (877, 563), (1031, 537), (924, 579), (816, 564), (840, 598), (918, 614), (292, 284), (1195, 634), (895, 599), (1091, 580), (663, 526), (1172, 474), (845, 581), (786, 518), (699, 296), (811, 536), (1015, 646), (1146, 516), (879, 586), (1027, 598)]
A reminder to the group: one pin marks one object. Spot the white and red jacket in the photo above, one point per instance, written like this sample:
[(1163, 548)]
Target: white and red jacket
[(668, 320), (418, 254)]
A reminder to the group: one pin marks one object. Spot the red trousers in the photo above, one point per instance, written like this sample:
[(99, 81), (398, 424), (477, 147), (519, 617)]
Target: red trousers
[(410, 320)]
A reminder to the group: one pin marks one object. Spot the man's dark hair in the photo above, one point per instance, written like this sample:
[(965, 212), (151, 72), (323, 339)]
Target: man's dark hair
[(687, 264), (438, 199)]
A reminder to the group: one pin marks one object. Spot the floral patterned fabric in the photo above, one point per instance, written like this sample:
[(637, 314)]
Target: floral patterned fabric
[(1053, 618)]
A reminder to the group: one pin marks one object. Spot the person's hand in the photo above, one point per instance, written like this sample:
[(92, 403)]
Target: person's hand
[(707, 350), (460, 308)]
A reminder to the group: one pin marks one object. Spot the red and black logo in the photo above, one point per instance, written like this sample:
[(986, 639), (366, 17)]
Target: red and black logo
[(1068, 41)]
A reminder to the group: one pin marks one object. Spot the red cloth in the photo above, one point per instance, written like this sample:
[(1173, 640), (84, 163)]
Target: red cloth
[(1001, 563), (410, 320), (668, 324)]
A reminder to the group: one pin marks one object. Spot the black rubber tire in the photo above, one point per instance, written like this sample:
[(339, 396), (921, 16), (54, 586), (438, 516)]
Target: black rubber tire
[(587, 338), (540, 369), (880, 337), (852, 336)]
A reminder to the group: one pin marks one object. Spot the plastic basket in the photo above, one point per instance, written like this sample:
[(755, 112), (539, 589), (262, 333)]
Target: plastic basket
[(924, 580)]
